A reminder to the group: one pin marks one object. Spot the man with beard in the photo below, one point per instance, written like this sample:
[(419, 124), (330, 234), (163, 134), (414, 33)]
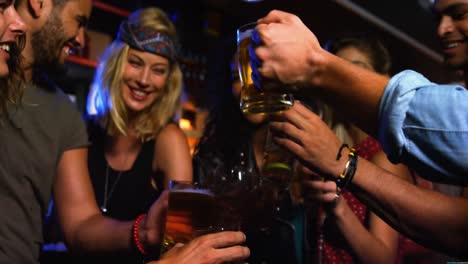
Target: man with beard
[(44, 149), (419, 123)]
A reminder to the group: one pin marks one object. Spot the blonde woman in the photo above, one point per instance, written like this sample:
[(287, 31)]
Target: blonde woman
[(136, 146)]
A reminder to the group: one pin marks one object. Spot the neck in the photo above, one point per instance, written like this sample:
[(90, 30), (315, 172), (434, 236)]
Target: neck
[(122, 144), (465, 77), (28, 73), (121, 151)]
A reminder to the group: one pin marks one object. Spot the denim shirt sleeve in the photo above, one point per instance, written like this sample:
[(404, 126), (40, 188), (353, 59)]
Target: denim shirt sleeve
[(425, 126)]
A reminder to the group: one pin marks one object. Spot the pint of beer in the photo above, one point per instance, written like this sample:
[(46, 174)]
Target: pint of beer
[(190, 209), (252, 99)]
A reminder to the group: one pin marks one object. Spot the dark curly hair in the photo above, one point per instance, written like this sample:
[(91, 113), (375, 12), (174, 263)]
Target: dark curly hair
[(227, 130)]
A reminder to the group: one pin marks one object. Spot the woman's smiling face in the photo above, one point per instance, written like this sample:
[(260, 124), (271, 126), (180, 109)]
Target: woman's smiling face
[(144, 77)]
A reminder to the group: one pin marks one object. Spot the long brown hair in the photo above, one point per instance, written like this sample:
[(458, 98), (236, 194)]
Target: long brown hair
[(12, 85)]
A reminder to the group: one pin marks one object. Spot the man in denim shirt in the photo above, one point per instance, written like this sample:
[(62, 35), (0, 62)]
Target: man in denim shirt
[(419, 123)]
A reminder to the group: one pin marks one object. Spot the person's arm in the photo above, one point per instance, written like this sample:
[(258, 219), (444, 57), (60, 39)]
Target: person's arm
[(85, 228), (172, 154), (83, 225), (378, 244), (433, 219), (222, 247), (308, 68), (375, 244), (418, 123)]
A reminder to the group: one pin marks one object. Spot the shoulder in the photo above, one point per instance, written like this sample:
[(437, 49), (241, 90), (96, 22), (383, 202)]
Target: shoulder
[(170, 132), (44, 94), (172, 153), (170, 139), (96, 132), (50, 104), (52, 114)]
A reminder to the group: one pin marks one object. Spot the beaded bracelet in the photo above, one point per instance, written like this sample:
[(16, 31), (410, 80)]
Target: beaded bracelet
[(136, 239), (347, 175)]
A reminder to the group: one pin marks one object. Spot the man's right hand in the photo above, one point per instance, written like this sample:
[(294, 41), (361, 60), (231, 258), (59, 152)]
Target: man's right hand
[(209, 249), (285, 50)]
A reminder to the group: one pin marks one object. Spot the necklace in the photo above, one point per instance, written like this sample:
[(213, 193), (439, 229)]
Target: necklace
[(107, 197)]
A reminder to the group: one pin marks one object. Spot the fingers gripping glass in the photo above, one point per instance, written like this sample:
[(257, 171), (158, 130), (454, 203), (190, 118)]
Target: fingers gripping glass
[(255, 99), (196, 209), (190, 208)]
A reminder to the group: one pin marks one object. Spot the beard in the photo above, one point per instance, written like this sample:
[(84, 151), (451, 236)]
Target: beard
[(47, 44)]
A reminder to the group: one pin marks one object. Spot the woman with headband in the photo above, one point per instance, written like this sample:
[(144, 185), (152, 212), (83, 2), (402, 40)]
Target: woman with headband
[(135, 145)]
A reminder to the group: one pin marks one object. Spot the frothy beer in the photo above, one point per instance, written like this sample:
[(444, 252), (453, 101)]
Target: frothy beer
[(189, 210)]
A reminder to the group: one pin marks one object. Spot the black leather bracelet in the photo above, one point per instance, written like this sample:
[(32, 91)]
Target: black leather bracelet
[(345, 178)]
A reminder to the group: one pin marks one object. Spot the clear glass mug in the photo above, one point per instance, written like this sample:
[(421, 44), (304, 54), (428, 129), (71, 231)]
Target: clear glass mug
[(196, 209), (190, 209), (252, 99)]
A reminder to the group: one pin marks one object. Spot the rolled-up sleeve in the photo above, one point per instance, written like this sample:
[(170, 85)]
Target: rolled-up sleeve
[(425, 126)]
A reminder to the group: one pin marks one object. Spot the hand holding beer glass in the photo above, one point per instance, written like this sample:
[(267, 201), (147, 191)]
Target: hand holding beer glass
[(196, 209), (253, 99), (190, 209)]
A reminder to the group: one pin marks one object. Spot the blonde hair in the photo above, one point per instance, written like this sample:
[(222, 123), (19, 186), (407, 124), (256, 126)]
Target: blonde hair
[(337, 124), (106, 92)]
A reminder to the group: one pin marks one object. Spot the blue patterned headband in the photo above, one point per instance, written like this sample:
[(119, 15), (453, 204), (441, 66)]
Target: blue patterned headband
[(146, 39)]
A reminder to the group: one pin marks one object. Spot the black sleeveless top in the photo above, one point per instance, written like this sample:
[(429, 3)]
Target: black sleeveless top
[(129, 193)]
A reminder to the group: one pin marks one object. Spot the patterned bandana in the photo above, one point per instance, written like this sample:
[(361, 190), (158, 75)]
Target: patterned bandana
[(146, 39)]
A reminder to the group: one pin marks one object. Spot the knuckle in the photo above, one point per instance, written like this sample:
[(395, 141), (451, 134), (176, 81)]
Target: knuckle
[(204, 241)]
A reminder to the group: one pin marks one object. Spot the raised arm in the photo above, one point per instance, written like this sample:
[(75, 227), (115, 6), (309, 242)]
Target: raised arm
[(433, 219), (416, 212), (287, 51), (418, 123)]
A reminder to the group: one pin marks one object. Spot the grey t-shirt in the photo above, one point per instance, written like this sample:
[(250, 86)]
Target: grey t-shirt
[(41, 129)]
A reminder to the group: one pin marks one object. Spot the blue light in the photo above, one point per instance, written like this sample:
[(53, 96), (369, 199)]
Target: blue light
[(174, 17)]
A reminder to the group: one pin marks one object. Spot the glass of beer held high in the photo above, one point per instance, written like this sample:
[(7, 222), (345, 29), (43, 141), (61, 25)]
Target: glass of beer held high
[(254, 99), (190, 209)]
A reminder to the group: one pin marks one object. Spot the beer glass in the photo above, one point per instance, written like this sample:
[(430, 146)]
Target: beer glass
[(278, 163), (277, 170), (253, 99), (190, 208)]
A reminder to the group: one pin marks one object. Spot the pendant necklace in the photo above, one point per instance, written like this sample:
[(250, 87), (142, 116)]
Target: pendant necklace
[(107, 197)]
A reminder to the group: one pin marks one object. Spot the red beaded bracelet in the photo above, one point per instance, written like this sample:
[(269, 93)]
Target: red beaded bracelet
[(136, 239)]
